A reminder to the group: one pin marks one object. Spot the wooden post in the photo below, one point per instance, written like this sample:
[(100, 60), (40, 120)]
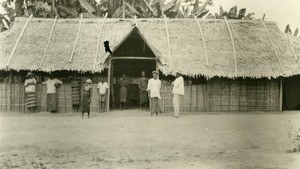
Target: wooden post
[(233, 46), (98, 42), (207, 95), (49, 39), (112, 84), (291, 44), (10, 89), (53, 5), (273, 47), (123, 9), (18, 40), (109, 84), (280, 94), (168, 41), (77, 36), (202, 37)]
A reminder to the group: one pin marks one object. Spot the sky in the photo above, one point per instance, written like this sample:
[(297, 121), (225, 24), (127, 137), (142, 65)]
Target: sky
[(281, 11)]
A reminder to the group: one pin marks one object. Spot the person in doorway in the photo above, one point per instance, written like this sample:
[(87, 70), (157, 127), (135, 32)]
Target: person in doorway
[(86, 99), (124, 84), (153, 88), (143, 83), (52, 83), (30, 98), (177, 91), (103, 90), (75, 85)]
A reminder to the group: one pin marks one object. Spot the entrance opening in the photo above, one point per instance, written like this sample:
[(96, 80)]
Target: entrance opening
[(291, 93), (131, 57)]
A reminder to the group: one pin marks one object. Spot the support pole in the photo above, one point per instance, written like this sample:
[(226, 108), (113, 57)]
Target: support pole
[(202, 37), (273, 47), (207, 95), (10, 90), (109, 84), (168, 41), (280, 94), (291, 44), (49, 39), (112, 84), (123, 9), (233, 46), (98, 42), (77, 36), (18, 40)]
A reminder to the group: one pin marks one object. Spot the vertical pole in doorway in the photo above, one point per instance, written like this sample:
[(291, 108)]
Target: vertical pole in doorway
[(280, 94), (10, 90), (109, 84), (207, 95)]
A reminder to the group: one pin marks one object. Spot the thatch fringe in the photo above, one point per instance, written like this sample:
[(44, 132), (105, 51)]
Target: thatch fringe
[(273, 47), (18, 40), (49, 39), (77, 36), (233, 46), (98, 42)]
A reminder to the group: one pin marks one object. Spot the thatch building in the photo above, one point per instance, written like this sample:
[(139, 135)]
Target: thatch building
[(232, 65)]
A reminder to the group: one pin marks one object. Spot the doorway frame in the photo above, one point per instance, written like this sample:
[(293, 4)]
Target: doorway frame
[(110, 60)]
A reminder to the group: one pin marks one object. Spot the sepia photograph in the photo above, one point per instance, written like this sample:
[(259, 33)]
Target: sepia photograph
[(149, 84)]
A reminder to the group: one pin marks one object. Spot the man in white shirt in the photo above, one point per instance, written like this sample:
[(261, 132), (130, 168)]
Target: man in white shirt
[(154, 85), (177, 91), (30, 97), (103, 90), (52, 83)]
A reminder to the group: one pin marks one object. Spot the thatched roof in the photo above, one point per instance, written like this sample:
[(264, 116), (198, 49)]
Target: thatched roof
[(255, 56)]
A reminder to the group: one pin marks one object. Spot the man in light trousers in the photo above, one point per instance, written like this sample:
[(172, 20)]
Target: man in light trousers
[(177, 91)]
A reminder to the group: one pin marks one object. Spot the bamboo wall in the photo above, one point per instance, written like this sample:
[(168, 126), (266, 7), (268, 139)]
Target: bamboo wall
[(12, 98), (228, 95), (217, 95)]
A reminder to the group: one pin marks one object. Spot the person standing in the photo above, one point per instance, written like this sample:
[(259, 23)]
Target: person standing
[(103, 90), (75, 85), (124, 84), (30, 97), (86, 99), (143, 83), (177, 91), (153, 88), (52, 83)]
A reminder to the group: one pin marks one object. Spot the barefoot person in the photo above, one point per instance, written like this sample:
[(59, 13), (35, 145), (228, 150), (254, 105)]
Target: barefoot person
[(30, 98), (52, 83), (86, 97), (177, 91), (103, 90), (124, 84), (143, 82), (153, 88)]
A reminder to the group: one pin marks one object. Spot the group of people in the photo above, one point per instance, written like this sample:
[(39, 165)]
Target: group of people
[(153, 88), (79, 97), (149, 93)]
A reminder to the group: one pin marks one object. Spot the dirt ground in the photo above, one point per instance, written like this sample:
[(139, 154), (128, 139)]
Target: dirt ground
[(134, 140)]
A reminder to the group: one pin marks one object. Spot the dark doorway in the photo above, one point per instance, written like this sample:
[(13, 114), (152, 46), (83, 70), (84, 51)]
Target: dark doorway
[(291, 93), (131, 57)]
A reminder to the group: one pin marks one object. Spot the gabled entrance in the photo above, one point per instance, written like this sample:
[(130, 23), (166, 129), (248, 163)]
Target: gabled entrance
[(132, 56)]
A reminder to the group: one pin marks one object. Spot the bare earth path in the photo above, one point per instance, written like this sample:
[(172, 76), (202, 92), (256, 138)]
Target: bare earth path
[(134, 140)]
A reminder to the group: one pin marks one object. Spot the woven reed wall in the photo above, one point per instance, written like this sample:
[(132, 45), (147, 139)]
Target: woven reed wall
[(227, 95), (12, 98), (223, 94)]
